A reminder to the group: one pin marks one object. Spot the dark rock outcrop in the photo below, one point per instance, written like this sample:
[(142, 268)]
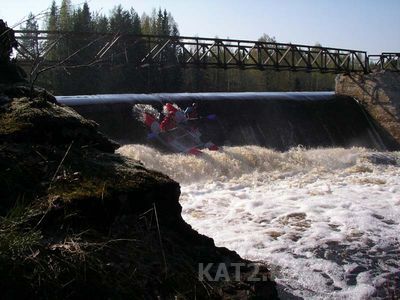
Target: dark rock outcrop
[(42, 122), (10, 72), (79, 221)]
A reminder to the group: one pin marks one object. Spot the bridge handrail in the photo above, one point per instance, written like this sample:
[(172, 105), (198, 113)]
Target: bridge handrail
[(147, 36), (279, 55), (385, 61)]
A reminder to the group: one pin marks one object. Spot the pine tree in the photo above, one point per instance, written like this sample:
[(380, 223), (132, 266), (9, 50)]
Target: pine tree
[(51, 24), (52, 20), (100, 23), (174, 31), (165, 30), (136, 23), (65, 23), (30, 40), (159, 23), (123, 76), (153, 22), (82, 19), (145, 24), (121, 20)]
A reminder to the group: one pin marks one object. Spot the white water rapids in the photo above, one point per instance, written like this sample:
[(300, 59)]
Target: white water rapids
[(325, 220)]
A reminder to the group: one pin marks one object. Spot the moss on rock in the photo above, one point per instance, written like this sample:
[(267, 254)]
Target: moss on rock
[(39, 121), (78, 221)]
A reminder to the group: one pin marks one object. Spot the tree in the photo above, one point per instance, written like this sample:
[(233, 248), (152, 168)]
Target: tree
[(153, 24), (30, 40), (145, 23), (100, 23), (136, 23), (119, 70), (265, 38), (121, 20), (173, 30), (65, 23), (52, 20), (165, 30), (82, 19), (52, 24), (82, 23)]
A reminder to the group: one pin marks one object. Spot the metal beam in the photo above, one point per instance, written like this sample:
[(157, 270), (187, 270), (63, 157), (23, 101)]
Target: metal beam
[(222, 53)]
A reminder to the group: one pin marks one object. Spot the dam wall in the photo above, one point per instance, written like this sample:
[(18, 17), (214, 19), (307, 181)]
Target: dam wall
[(274, 120)]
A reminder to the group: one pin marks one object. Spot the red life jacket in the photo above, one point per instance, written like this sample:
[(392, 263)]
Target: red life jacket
[(170, 108), (148, 119), (168, 122)]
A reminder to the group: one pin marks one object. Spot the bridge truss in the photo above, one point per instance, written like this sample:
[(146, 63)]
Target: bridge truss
[(385, 61), (163, 51)]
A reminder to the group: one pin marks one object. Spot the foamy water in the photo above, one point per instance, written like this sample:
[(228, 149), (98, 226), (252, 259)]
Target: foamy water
[(325, 220)]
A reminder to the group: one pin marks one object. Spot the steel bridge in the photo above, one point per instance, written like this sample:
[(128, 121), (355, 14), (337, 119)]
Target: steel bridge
[(164, 51)]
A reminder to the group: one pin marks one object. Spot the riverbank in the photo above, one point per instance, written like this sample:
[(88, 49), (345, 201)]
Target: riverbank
[(78, 220)]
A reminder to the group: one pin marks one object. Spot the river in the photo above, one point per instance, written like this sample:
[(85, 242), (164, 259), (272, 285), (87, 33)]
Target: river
[(303, 182)]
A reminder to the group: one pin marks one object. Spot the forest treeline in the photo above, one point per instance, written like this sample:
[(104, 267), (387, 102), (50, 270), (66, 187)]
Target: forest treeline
[(121, 74)]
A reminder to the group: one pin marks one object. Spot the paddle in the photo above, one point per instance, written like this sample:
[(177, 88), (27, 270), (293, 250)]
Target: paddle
[(151, 135), (211, 117)]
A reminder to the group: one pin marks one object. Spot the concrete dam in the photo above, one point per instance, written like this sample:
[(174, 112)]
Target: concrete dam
[(278, 121)]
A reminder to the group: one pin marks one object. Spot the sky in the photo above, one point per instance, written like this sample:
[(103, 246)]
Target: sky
[(367, 25)]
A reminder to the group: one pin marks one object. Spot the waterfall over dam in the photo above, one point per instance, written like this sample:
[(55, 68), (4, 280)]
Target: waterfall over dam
[(324, 217), (273, 120)]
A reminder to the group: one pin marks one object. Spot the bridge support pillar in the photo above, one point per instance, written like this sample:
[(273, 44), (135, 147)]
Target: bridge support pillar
[(379, 94)]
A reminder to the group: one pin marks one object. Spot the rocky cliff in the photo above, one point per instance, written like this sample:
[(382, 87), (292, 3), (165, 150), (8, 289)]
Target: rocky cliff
[(79, 221)]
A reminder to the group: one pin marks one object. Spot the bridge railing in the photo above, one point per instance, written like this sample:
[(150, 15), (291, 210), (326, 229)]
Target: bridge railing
[(385, 61), (228, 53), (147, 50)]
